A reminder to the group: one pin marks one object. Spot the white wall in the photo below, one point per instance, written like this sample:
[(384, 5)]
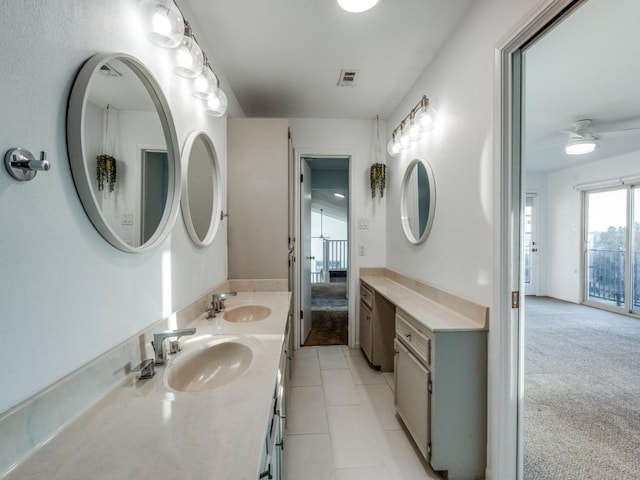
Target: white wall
[(564, 213), (462, 253), (66, 294)]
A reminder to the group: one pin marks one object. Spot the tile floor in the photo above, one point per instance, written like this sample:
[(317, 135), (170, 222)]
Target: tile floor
[(342, 423)]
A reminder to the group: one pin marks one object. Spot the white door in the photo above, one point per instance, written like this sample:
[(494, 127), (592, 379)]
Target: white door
[(305, 253), (530, 244)]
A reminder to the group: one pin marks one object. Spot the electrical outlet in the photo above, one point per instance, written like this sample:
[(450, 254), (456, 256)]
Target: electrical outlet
[(361, 250), (363, 223), (127, 219)]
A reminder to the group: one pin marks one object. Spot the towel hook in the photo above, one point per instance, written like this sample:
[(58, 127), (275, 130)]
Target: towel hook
[(22, 165)]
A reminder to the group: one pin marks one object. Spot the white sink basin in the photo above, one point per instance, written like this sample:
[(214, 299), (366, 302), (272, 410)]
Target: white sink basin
[(247, 313), (217, 363)]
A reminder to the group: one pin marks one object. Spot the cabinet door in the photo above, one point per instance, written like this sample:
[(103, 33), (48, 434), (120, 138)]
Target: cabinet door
[(366, 330), (412, 396)]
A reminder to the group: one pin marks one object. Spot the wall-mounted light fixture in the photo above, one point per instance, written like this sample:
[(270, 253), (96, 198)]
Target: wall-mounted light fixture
[(412, 128), (167, 28)]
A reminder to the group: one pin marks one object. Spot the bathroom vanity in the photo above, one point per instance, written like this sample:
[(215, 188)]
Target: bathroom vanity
[(181, 423), (440, 367)]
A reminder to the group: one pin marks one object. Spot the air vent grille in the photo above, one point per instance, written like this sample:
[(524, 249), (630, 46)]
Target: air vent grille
[(348, 78), (108, 71)]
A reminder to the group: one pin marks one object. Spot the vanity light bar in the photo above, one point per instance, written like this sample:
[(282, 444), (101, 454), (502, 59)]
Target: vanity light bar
[(418, 121), (192, 61)]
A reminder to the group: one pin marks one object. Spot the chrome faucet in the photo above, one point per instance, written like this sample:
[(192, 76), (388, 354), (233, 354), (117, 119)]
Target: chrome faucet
[(160, 337), (217, 302)]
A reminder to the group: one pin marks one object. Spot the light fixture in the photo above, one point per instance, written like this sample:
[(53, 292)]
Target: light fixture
[(394, 147), (168, 28), (418, 120), (217, 103), (339, 195), (424, 115), (206, 83), (580, 146), (357, 6), (189, 55), (165, 25)]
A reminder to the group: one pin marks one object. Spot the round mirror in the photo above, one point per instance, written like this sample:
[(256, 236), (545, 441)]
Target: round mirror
[(200, 189), (123, 151), (418, 201)]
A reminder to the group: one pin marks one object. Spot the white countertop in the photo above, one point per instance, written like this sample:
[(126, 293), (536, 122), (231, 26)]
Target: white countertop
[(145, 430), (431, 314)]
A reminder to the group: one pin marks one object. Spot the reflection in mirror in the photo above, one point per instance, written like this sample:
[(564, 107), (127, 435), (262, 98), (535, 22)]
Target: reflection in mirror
[(418, 201), (201, 189), (123, 151)]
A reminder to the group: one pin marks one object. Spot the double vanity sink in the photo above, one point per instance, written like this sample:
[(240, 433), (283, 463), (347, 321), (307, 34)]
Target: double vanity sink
[(203, 415)]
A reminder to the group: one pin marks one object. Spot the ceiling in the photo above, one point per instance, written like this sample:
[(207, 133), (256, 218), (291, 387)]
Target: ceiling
[(283, 58), (587, 67)]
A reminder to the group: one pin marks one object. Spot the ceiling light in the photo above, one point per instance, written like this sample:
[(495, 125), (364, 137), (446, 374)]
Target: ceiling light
[(580, 146), (189, 55), (165, 25), (357, 6), (339, 195)]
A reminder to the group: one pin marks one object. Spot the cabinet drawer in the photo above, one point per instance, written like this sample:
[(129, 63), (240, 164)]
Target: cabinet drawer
[(366, 295), (418, 342)]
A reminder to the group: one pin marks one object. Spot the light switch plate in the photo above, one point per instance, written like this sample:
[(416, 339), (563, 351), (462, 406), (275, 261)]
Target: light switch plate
[(363, 223)]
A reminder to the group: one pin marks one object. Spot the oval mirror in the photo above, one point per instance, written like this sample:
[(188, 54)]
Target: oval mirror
[(200, 189), (418, 201), (123, 151)]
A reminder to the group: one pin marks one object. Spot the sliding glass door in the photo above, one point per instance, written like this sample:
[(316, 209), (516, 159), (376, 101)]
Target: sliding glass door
[(612, 248)]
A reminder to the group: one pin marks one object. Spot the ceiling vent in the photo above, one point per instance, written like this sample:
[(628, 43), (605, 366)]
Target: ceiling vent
[(348, 78), (108, 71)]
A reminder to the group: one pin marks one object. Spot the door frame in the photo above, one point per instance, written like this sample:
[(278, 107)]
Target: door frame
[(300, 155), (506, 414)]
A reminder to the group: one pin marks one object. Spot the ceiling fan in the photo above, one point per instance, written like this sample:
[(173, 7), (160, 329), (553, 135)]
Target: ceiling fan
[(321, 235), (583, 138)]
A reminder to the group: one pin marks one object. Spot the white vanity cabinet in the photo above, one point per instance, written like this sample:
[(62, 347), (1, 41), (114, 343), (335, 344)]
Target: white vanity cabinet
[(376, 328), (272, 464), (441, 394)]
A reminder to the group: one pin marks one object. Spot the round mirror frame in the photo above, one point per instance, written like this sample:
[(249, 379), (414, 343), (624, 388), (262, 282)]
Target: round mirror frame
[(403, 203), (217, 196), (75, 146)]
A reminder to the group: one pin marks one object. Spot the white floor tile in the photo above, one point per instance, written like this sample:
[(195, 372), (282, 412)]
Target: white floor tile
[(349, 351), (389, 378), (339, 388), (309, 457), (306, 411), (355, 440), (306, 372), (363, 373), (380, 399), (403, 461), (304, 352), (332, 357), (367, 473)]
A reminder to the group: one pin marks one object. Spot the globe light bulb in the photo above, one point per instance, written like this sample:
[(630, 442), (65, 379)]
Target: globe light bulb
[(164, 22), (393, 147), (357, 6), (217, 104), (189, 56)]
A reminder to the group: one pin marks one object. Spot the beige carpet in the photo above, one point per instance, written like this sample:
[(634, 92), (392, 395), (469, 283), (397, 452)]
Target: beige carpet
[(329, 315), (582, 393)]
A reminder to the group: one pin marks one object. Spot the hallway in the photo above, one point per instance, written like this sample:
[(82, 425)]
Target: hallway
[(342, 423)]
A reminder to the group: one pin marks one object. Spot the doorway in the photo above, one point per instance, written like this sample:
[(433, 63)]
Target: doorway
[(548, 114), (324, 266)]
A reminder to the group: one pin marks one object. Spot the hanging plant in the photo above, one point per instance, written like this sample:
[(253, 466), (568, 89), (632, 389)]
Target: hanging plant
[(378, 174), (378, 179), (106, 172), (105, 163)]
